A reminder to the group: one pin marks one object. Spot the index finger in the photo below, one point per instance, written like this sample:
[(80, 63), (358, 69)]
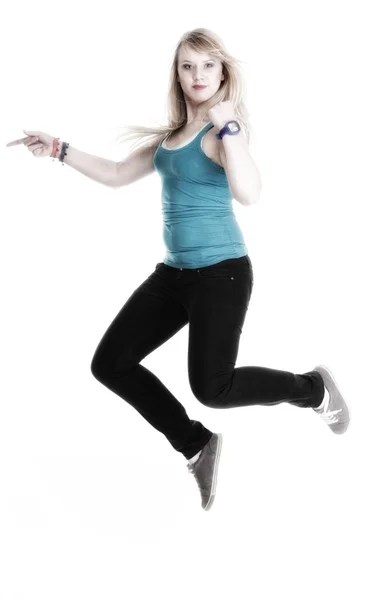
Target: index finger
[(16, 142)]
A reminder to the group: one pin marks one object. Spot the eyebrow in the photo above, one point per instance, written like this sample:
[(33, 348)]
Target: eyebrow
[(189, 61)]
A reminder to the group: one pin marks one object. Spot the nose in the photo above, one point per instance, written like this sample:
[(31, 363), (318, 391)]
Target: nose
[(198, 75)]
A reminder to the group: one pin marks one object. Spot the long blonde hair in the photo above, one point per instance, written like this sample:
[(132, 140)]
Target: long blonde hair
[(231, 88)]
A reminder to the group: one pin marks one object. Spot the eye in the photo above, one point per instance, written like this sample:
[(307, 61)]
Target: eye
[(207, 64)]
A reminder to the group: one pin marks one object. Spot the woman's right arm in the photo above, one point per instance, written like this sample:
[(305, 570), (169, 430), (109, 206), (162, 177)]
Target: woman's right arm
[(137, 165), (113, 174), (99, 169), (108, 172)]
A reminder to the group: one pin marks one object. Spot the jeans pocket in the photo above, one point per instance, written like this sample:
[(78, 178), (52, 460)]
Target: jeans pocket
[(216, 274)]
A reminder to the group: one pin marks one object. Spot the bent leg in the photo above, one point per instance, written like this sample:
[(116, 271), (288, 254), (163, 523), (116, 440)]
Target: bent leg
[(214, 334), (149, 318)]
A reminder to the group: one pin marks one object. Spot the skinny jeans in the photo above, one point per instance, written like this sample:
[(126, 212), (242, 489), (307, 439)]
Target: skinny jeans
[(214, 301)]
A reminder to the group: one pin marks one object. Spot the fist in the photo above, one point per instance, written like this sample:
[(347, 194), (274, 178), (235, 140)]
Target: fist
[(221, 113)]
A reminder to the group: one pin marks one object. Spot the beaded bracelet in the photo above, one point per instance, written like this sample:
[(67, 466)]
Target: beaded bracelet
[(65, 146), (55, 147)]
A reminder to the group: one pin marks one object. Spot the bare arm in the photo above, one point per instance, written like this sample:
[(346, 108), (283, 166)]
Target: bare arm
[(107, 172), (99, 169), (137, 165)]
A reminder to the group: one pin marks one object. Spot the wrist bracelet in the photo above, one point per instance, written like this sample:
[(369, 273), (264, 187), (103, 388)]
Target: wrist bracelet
[(55, 147), (65, 146)]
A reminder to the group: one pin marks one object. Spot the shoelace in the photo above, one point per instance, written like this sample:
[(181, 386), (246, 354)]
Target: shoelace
[(328, 415), (191, 467)]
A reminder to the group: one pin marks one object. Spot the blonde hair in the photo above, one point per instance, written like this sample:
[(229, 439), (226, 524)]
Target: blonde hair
[(231, 88)]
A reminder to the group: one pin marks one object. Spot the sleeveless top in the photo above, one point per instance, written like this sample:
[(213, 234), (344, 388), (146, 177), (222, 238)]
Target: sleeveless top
[(199, 225)]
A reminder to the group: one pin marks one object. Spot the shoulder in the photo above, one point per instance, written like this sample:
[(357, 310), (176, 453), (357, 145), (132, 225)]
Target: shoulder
[(155, 141)]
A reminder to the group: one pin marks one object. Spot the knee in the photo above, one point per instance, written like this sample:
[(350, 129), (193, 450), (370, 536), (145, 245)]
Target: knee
[(206, 395), (97, 367), (101, 367), (209, 402), (107, 364)]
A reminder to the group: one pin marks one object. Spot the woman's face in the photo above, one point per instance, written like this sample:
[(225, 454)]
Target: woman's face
[(196, 68)]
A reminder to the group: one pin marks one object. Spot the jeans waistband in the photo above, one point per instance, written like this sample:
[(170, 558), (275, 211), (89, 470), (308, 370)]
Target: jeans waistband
[(223, 263)]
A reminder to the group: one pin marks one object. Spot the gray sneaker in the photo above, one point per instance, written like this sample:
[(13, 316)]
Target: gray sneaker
[(205, 470), (334, 411)]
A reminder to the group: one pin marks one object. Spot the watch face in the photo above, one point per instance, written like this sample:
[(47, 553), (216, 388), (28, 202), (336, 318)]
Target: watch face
[(233, 126)]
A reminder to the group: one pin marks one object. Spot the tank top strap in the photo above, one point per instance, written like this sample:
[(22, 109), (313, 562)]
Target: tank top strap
[(196, 140), (207, 127)]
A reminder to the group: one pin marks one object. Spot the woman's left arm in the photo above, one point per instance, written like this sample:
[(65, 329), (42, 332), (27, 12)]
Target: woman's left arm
[(242, 173)]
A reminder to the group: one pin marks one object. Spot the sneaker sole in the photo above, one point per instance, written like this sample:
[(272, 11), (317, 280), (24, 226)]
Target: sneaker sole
[(214, 476), (332, 382)]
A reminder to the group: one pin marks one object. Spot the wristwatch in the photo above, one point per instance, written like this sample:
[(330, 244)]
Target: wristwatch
[(231, 127)]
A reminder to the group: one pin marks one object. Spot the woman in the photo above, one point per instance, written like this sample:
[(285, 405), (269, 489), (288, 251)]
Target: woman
[(206, 277)]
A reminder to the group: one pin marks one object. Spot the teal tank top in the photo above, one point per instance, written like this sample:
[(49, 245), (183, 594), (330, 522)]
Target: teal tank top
[(199, 225)]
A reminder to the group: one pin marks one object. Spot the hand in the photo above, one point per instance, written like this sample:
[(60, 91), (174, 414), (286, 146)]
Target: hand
[(39, 143), (221, 113)]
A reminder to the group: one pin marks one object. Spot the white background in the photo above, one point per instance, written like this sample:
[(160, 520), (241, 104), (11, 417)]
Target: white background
[(94, 502)]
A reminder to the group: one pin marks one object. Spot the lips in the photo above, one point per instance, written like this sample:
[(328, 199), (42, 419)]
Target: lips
[(199, 87)]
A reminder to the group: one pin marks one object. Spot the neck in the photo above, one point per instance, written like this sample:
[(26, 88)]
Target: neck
[(197, 122)]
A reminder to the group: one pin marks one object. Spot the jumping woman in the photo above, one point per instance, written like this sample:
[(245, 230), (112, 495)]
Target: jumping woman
[(206, 277)]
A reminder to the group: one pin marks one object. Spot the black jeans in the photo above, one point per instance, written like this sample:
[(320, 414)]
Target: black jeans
[(214, 301)]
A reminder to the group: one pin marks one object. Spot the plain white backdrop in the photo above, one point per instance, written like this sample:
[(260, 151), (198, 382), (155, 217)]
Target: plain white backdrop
[(94, 502)]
